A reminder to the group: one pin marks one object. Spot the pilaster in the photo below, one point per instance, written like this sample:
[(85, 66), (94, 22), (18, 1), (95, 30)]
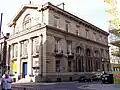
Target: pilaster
[(30, 58), (18, 59), (8, 57)]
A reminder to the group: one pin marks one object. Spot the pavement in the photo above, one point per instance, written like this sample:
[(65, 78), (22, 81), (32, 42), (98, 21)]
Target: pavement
[(69, 86)]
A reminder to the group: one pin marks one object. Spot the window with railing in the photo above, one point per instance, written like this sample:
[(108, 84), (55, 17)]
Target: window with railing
[(36, 45), (24, 48), (15, 50), (57, 45), (56, 21), (69, 47), (67, 26)]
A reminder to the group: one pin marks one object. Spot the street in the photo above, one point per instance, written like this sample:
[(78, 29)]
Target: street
[(68, 86)]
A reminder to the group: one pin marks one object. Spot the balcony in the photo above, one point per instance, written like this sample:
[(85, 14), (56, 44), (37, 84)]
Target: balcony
[(70, 55), (58, 53)]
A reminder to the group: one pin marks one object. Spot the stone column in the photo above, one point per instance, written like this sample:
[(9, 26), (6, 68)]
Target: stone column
[(8, 56), (30, 58), (11, 57), (18, 59), (11, 52)]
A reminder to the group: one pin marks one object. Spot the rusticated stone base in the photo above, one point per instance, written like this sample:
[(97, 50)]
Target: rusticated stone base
[(58, 78)]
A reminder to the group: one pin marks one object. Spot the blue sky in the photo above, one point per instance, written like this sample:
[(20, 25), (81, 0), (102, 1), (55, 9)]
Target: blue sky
[(92, 11)]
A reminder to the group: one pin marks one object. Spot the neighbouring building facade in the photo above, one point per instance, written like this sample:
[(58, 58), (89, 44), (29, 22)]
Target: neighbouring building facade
[(115, 58), (49, 43), (3, 53)]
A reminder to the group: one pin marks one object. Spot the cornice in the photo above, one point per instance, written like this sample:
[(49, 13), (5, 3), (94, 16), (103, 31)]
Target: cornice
[(22, 33), (71, 34), (50, 6), (73, 17)]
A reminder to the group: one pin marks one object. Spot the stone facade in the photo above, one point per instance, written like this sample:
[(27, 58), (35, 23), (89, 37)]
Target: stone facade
[(49, 43)]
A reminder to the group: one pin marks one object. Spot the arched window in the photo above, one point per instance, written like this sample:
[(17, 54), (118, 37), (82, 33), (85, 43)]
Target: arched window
[(96, 53), (78, 49), (27, 22), (88, 52)]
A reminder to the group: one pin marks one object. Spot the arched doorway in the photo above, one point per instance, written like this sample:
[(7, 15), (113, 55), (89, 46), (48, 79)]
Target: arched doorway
[(88, 61), (96, 60), (79, 59)]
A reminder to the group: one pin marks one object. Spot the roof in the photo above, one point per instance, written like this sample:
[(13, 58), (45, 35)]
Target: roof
[(49, 5)]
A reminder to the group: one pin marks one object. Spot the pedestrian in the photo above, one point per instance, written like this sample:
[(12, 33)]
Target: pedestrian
[(6, 82)]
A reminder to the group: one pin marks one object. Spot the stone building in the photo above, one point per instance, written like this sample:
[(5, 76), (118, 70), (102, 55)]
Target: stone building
[(50, 43)]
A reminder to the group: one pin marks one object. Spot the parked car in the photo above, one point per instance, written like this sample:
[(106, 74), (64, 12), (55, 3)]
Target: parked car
[(84, 79), (98, 76), (94, 78)]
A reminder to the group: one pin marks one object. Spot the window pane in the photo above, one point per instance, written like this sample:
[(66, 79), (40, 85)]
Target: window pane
[(57, 65), (69, 66)]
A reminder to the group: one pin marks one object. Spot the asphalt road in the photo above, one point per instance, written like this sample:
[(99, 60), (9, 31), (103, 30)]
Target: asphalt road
[(56, 86)]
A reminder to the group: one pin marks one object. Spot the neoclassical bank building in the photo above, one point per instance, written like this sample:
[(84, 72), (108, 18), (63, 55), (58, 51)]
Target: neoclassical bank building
[(51, 44)]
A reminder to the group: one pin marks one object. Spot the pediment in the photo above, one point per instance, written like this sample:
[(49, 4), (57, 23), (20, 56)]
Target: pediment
[(20, 12)]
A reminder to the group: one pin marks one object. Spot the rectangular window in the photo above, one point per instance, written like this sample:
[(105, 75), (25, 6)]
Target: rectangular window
[(15, 50), (69, 47), (78, 30), (24, 48), (87, 33), (107, 67), (94, 36), (69, 66), (100, 38), (57, 45), (57, 65), (36, 45), (56, 21), (67, 26)]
